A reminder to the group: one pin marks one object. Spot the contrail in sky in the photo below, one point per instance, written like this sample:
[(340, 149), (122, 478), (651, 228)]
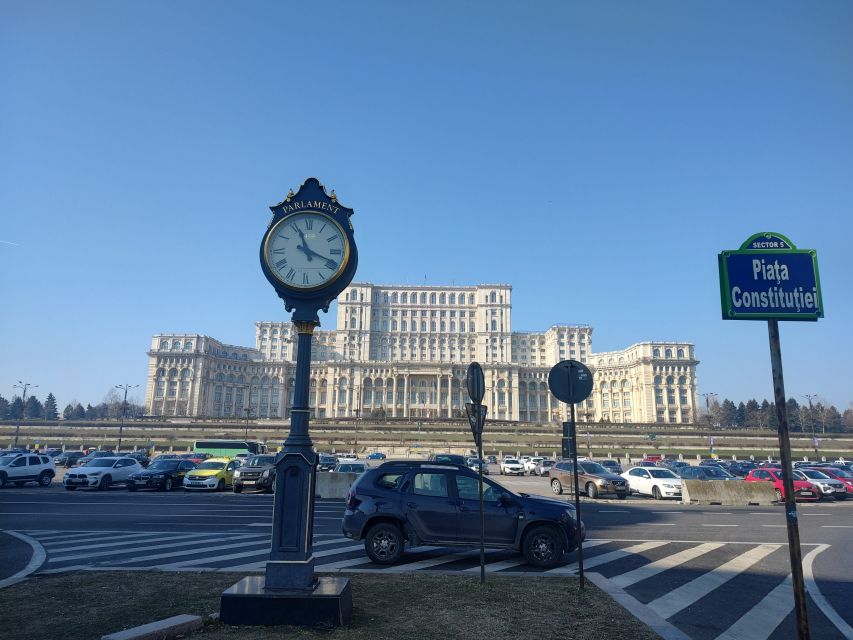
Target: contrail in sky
[(14, 244)]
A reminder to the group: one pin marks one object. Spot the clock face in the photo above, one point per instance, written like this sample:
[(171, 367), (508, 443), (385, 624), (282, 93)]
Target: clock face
[(306, 250)]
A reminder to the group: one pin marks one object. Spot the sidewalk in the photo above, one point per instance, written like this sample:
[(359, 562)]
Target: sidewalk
[(15, 556)]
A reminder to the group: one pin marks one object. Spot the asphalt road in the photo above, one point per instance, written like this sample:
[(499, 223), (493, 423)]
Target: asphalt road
[(711, 572)]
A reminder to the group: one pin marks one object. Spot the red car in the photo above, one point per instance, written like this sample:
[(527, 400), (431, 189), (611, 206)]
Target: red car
[(803, 491), (842, 475)]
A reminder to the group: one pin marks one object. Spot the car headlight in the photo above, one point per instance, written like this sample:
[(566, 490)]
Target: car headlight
[(669, 486), (237, 473), (94, 473), (267, 473)]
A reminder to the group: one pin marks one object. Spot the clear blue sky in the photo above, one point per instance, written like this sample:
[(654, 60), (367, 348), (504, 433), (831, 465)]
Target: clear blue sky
[(596, 156)]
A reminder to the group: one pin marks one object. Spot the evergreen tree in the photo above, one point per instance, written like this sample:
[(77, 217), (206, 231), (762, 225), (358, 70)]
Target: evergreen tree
[(752, 416), (4, 408), (50, 412), (91, 412), (16, 408), (728, 414), (34, 408), (740, 415), (79, 412), (795, 416), (68, 412)]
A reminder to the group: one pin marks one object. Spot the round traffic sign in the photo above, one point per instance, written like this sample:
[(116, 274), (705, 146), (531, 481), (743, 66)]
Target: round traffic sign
[(476, 383), (570, 381)]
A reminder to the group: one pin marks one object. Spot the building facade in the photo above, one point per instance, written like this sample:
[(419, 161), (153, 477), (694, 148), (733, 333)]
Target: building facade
[(403, 351)]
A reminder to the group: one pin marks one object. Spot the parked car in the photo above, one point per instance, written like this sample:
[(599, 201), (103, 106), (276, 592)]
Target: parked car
[(741, 468), (803, 490), (827, 486), (426, 503), (350, 467), (169, 456), (593, 479), (214, 474), (704, 472), (512, 466), (101, 473), (247, 476), (376, 455), (842, 475), (656, 482), (348, 457), (21, 468), (326, 462), (52, 453), (448, 458), (68, 459), (492, 459), (195, 457), (92, 455), (475, 463), (647, 463), (611, 465), (530, 464), (162, 475), (544, 467), (139, 456)]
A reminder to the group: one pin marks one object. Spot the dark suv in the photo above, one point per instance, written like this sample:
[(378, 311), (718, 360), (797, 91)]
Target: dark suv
[(593, 479), (438, 504)]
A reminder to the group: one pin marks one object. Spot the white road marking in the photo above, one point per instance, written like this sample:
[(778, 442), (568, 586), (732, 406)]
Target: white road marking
[(720, 525), (817, 596), (432, 562), (70, 545), (836, 526), (59, 549), (604, 558), (614, 511), (664, 564), (247, 554), (761, 621), (671, 603), (243, 544), (660, 524), (774, 525), (115, 552), (36, 560)]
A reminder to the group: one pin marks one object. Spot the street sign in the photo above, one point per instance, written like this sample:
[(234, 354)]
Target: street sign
[(476, 383), (570, 381), (476, 420), (768, 278)]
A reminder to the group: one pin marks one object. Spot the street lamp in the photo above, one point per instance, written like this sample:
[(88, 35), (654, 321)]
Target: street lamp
[(708, 397), (248, 411), (123, 408), (809, 397), (23, 386)]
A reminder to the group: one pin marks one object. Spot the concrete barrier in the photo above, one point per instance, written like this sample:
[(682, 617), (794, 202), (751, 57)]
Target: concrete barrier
[(334, 485), (727, 492)]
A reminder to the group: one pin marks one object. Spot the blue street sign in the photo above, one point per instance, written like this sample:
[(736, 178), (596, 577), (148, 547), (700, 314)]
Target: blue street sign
[(768, 278)]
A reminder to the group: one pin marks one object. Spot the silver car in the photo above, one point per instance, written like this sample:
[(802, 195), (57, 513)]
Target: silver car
[(474, 464)]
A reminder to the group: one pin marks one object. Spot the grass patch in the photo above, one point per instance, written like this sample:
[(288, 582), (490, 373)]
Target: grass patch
[(86, 605)]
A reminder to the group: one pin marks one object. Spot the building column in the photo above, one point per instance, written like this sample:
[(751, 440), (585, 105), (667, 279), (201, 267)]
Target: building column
[(406, 396)]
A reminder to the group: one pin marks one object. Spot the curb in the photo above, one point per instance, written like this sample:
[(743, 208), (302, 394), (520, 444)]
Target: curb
[(35, 562), (645, 615), (160, 630)]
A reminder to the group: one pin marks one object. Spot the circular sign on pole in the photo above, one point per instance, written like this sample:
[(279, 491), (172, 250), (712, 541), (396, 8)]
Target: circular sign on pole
[(570, 381), (476, 383)]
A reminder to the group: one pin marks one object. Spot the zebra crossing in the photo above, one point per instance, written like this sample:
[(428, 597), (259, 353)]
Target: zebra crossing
[(676, 580)]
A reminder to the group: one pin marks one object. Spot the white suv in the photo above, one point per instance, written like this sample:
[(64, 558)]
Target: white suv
[(102, 473), (26, 467), (511, 466)]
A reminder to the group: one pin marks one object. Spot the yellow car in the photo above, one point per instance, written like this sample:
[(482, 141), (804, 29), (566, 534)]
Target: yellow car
[(214, 474)]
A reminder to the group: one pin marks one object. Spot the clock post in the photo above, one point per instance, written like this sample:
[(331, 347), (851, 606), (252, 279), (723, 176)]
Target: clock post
[(308, 254)]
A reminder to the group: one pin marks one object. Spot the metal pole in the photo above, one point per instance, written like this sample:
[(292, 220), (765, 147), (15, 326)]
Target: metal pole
[(573, 434), (809, 396), (788, 482), (121, 423), (481, 418)]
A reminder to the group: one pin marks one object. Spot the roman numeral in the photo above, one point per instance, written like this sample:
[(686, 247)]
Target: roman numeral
[(282, 251), (331, 264), (281, 235), (280, 264), (324, 226), (290, 274), (294, 227), (305, 278), (334, 237), (309, 224), (335, 252)]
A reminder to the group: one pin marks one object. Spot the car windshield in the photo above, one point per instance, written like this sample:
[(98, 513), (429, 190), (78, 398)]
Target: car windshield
[(511, 461), (101, 462), (716, 472), (211, 465), (260, 461), (163, 465), (814, 474), (661, 473), (547, 463), (327, 459), (842, 473), (592, 467)]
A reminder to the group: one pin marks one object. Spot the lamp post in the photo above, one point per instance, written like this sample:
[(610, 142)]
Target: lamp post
[(248, 411), (809, 397), (23, 386), (123, 407), (708, 397)]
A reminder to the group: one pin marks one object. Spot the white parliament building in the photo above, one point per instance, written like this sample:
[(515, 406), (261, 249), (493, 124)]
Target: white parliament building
[(403, 351)]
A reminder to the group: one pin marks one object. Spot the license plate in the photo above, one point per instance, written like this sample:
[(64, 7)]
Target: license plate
[(806, 493), (75, 481), (196, 484), (248, 481)]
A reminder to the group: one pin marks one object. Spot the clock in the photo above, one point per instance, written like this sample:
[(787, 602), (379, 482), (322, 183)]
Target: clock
[(307, 250)]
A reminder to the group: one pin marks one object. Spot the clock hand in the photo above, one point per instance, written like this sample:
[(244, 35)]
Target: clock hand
[(304, 249)]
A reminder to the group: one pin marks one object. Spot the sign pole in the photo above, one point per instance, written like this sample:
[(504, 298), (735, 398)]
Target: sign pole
[(788, 483), (475, 381), (573, 431), (481, 418)]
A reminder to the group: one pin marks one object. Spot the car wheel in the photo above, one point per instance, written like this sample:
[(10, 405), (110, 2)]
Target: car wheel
[(237, 488), (105, 483), (656, 493), (384, 543), (556, 487), (779, 497), (45, 479), (622, 496), (131, 486), (2, 480), (220, 486), (20, 483), (542, 547), (591, 490), (168, 485)]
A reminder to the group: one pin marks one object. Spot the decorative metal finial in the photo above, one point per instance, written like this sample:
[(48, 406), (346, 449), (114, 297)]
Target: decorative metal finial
[(290, 194), (333, 196)]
